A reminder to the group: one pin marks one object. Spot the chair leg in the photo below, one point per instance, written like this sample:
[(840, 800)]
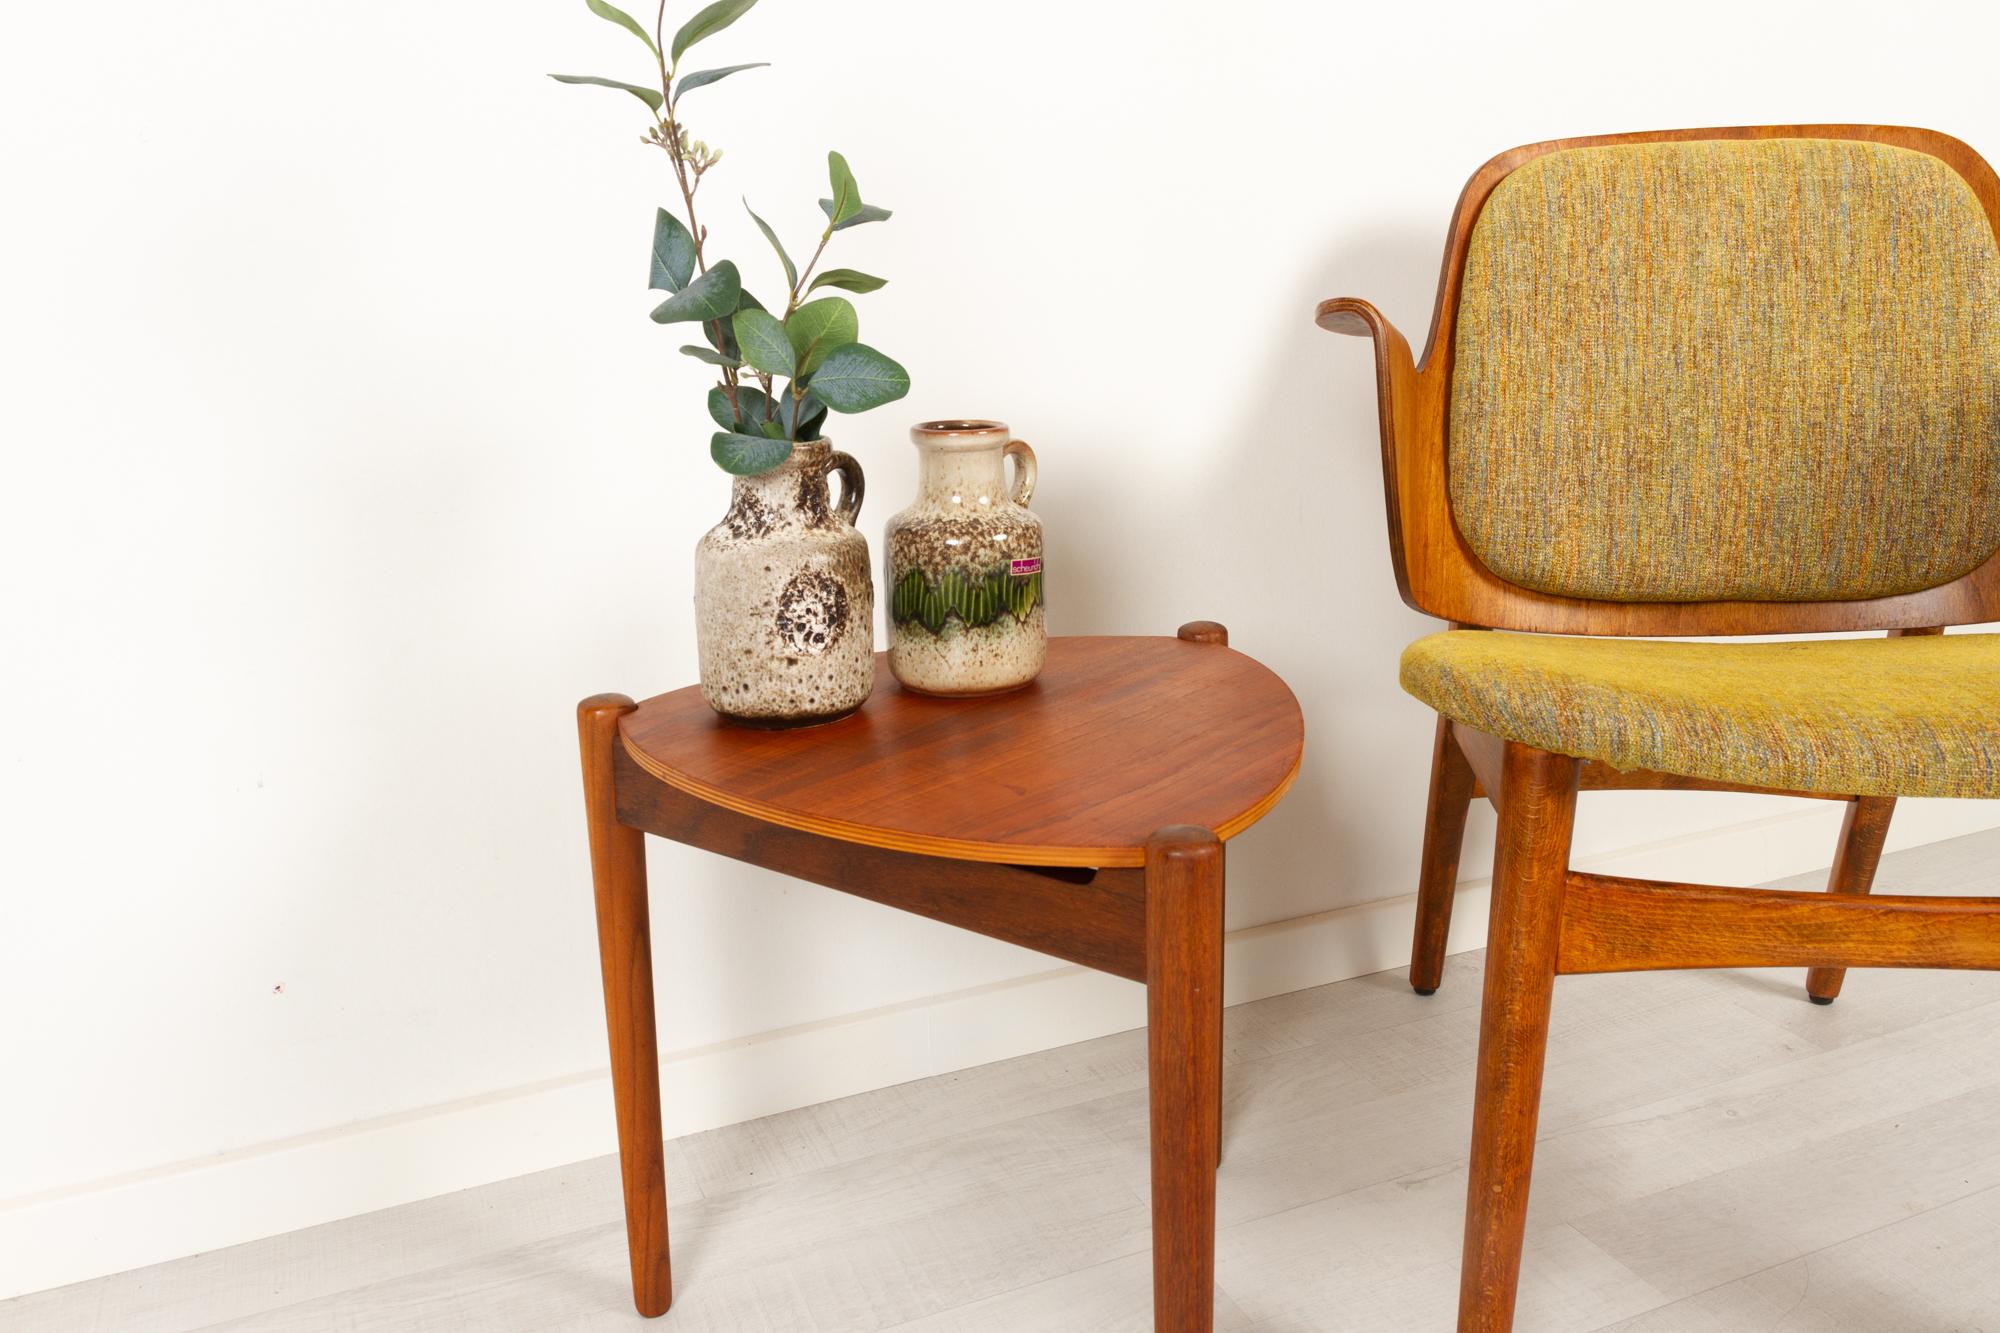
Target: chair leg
[(1854, 862), (1437, 881), (1531, 865), (1183, 1011), (624, 942)]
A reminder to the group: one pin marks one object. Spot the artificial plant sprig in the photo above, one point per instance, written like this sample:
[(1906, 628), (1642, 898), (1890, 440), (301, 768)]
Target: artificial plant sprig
[(814, 345)]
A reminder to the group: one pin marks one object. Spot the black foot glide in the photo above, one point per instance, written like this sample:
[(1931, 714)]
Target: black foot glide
[(1820, 999), (1421, 991)]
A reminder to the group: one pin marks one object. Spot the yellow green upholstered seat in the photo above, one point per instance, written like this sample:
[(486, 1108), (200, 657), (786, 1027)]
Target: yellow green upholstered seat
[(1863, 717)]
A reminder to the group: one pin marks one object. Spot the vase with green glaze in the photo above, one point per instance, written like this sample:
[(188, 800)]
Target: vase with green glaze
[(964, 565)]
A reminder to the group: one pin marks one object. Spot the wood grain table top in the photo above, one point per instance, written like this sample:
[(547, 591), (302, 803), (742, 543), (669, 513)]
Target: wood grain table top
[(1118, 737)]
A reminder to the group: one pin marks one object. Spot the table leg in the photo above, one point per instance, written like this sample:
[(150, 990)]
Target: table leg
[(1183, 1020), (624, 943), (1220, 1063), (1210, 631)]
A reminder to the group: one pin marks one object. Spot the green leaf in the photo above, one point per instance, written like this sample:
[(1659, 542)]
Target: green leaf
[(791, 272), (796, 412), (673, 253), (711, 296), (866, 213), (848, 280), (773, 430), (855, 378), (817, 327), (747, 455), (846, 194), (750, 401), (764, 343), (722, 334), (719, 410), (710, 355), (623, 20), (701, 78), (650, 96), (706, 24)]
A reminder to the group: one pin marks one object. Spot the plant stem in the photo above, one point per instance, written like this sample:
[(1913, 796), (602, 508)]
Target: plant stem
[(671, 130), (798, 391), (806, 272)]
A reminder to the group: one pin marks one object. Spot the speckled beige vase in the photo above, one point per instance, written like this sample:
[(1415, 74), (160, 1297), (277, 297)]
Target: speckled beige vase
[(964, 565), (783, 605)]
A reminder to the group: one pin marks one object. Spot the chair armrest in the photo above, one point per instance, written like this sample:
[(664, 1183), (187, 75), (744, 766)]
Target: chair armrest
[(1399, 392), (1350, 315), (1403, 403), (1359, 319), (1395, 370)]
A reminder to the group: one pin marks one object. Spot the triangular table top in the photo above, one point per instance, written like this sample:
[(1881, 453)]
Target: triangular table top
[(1116, 738)]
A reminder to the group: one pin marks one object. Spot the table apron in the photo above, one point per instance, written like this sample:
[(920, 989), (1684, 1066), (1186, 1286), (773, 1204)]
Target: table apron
[(1096, 917)]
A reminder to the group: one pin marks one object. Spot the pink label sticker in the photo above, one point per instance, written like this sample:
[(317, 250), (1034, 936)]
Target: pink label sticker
[(1032, 565)]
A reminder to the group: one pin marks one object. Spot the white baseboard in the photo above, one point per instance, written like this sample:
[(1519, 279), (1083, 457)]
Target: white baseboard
[(183, 1208)]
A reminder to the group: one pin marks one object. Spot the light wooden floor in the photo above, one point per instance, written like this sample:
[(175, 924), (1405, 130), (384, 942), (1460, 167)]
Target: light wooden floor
[(1717, 1154)]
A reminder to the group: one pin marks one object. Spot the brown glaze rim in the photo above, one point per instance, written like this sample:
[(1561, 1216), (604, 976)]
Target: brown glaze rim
[(961, 433)]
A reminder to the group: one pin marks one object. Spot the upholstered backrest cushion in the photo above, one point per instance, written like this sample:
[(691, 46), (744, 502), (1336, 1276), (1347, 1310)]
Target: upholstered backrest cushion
[(1763, 370)]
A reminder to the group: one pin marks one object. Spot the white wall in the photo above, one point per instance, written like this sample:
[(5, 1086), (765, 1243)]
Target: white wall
[(341, 460)]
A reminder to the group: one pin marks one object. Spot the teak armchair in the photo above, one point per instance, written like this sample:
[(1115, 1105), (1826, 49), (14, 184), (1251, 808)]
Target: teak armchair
[(1695, 382)]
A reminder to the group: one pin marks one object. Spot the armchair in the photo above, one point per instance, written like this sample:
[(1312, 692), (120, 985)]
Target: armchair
[(1695, 382)]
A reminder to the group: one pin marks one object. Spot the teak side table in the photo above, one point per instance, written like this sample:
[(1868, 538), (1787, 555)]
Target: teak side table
[(1082, 816)]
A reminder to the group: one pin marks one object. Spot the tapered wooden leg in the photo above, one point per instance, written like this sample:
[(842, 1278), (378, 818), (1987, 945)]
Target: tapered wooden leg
[(1210, 631), (624, 942), (1854, 862), (1220, 1063), (1531, 863), (1183, 1017), (1437, 880)]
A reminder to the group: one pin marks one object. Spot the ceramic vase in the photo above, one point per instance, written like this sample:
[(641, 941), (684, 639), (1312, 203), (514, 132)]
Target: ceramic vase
[(784, 606), (964, 565)]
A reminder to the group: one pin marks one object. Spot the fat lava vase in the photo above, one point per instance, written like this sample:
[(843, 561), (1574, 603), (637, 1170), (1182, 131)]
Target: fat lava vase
[(784, 606), (964, 565)]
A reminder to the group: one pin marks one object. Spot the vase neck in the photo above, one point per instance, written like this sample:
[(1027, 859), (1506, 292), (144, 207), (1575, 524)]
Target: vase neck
[(961, 475), (791, 495)]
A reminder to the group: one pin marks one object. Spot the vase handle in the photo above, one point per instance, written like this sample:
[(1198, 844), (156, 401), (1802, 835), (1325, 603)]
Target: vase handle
[(1024, 470), (852, 485)]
